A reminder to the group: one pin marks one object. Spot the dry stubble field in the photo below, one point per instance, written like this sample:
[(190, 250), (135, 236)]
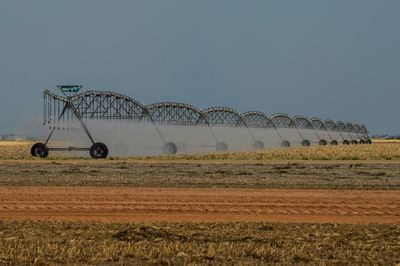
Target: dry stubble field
[(374, 168)]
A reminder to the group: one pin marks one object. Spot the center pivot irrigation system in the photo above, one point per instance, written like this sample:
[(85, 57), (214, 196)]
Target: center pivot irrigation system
[(74, 105)]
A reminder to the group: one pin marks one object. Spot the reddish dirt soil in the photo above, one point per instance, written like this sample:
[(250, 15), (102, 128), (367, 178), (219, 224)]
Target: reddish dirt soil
[(198, 205)]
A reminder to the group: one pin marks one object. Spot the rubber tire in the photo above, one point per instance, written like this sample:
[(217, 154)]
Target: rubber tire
[(334, 142), (362, 141), (305, 143), (346, 142), (368, 141), (285, 144), (169, 148), (98, 151), (323, 142), (258, 145), (221, 146), (40, 150), (354, 142)]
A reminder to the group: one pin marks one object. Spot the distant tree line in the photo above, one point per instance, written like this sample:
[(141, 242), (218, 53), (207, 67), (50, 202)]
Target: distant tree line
[(385, 136), (13, 136)]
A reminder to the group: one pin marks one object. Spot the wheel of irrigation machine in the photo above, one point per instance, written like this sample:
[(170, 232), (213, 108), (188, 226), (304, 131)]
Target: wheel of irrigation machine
[(221, 146), (323, 142), (346, 142), (258, 145), (169, 148), (305, 143), (354, 142), (40, 150), (362, 141), (368, 141), (98, 151), (285, 144), (334, 142)]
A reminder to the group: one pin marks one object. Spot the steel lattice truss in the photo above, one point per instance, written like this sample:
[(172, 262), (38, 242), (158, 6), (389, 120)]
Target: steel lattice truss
[(318, 124), (363, 129), (331, 125), (108, 105), (223, 116), (359, 129), (302, 122), (350, 128), (282, 120), (341, 126), (257, 119), (95, 105), (176, 114)]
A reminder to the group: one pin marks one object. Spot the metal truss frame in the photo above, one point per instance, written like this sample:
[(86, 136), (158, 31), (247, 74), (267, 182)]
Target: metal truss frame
[(223, 116), (282, 120), (345, 129), (333, 125), (319, 124), (103, 105), (256, 119), (305, 123), (107, 105), (173, 113)]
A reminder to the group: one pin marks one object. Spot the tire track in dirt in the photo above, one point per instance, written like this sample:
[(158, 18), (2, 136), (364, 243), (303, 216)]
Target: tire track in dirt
[(198, 205)]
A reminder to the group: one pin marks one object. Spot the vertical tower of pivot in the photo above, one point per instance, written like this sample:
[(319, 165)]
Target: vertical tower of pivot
[(97, 150)]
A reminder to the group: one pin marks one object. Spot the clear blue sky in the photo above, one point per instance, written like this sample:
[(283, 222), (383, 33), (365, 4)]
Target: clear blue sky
[(333, 59)]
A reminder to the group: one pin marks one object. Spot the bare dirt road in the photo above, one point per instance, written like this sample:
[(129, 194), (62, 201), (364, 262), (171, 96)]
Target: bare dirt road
[(114, 204)]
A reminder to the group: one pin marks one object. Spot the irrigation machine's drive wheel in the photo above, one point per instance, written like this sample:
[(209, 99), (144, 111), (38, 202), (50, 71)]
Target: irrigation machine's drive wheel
[(334, 142), (98, 151), (305, 143), (222, 146), (258, 145), (368, 141), (323, 142), (40, 150), (169, 148), (346, 142), (285, 144), (362, 141), (354, 142)]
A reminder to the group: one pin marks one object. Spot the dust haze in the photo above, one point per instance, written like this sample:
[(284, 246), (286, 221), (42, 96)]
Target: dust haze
[(132, 138)]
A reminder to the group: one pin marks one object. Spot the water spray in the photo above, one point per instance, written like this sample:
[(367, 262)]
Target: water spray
[(73, 105)]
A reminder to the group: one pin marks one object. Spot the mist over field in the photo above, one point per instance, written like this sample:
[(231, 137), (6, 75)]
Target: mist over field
[(140, 138)]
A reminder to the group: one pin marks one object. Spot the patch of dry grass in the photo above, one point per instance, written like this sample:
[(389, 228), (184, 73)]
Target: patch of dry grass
[(386, 140), (15, 149), (204, 174), (376, 151), (21, 150), (183, 243), (390, 151)]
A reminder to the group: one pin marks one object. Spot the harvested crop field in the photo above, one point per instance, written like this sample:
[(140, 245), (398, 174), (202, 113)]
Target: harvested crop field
[(197, 243), (206, 174), (334, 205), (380, 151)]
